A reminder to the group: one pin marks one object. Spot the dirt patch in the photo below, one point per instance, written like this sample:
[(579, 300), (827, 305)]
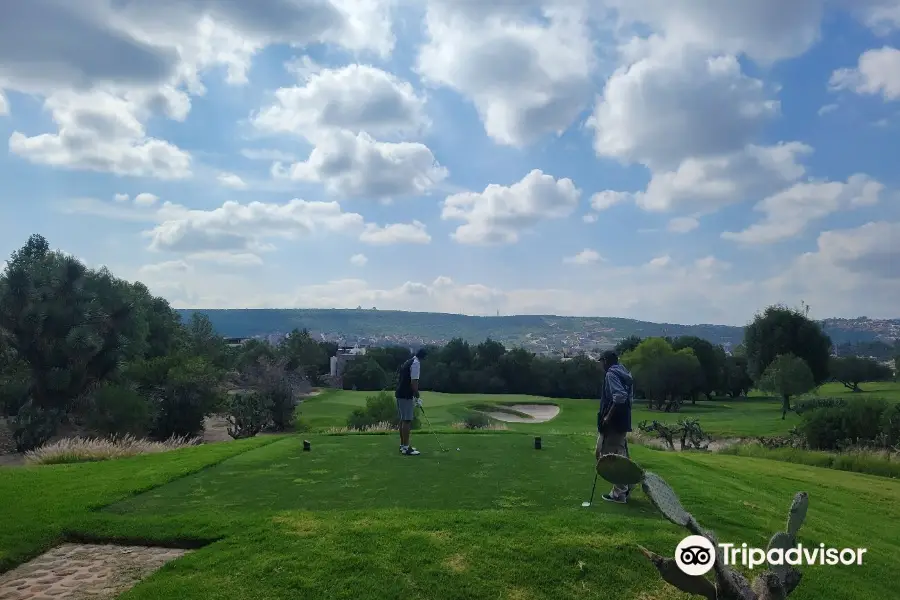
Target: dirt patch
[(215, 429), (537, 413), (74, 571)]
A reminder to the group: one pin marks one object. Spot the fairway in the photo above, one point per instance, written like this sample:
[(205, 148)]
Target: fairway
[(722, 418), (498, 519)]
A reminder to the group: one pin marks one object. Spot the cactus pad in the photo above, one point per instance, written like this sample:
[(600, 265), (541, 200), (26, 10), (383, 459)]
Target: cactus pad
[(672, 574), (619, 470), (664, 499), (784, 541), (797, 513)]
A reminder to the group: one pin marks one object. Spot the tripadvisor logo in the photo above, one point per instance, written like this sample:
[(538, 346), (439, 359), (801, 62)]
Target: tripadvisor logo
[(695, 555)]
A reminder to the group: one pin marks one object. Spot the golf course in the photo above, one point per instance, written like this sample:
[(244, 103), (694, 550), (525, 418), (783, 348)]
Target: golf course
[(492, 517)]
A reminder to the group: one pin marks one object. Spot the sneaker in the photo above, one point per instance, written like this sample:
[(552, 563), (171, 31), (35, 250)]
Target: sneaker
[(409, 451), (616, 499)]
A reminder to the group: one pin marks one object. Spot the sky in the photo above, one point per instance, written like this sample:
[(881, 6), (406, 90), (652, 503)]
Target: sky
[(688, 161)]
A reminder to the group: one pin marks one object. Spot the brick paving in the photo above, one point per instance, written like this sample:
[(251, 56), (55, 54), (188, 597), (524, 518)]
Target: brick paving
[(79, 571)]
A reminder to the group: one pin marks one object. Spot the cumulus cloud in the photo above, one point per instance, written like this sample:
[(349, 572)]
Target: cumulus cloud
[(877, 73), (499, 214), (608, 198), (4, 104), (585, 257), (682, 224), (121, 198), (102, 131), (396, 233), (790, 211), (356, 165), (356, 98), (679, 104), (527, 67), (359, 260), (232, 181), (145, 199)]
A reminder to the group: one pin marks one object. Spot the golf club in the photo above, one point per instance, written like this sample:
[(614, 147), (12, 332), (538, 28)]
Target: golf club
[(593, 487), (431, 427)]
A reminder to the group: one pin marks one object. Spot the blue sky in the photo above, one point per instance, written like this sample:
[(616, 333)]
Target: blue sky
[(677, 161)]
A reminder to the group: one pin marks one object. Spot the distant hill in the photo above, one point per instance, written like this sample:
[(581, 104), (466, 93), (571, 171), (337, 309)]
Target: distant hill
[(538, 332)]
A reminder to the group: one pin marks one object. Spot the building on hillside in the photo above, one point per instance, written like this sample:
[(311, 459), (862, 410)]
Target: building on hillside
[(235, 342), (342, 356)]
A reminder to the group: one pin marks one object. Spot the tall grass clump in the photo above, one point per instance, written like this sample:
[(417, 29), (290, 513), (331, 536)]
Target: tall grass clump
[(872, 461), (78, 449)]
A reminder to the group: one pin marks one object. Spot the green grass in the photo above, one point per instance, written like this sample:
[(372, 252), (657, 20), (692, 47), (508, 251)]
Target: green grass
[(353, 519), (873, 462), (39, 502), (745, 417)]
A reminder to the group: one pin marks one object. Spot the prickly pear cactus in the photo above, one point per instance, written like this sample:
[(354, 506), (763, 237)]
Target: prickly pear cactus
[(664, 499), (619, 470), (797, 513), (776, 583)]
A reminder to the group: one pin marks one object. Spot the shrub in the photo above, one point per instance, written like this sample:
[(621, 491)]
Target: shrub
[(813, 403), (857, 422), (32, 426), (14, 384), (75, 450), (380, 408), (248, 414), (117, 409), (477, 420), (890, 425), (187, 396)]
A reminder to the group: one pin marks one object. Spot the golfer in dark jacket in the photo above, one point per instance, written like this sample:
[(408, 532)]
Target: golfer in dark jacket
[(614, 417), (407, 395)]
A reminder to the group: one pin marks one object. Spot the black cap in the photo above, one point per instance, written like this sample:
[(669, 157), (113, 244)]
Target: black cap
[(421, 353), (609, 358)]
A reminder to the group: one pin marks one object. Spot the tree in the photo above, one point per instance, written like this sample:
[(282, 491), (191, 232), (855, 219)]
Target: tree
[(364, 373), (711, 358), (780, 330), (304, 353), (736, 380), (203, 340), (70, 325), (853, 370), (897, 366), (627, 345), (664, 376), (787, 375)]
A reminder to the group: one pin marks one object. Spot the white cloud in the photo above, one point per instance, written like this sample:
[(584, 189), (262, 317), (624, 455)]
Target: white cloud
[(121, 198), (396, 233), (358, 166), (590, 218), (585, 257), (764, 30), (679, 104), (527, 76), (499, 214), (877, 72), (358, 260), (608, 198), (660, 261), (356, 98), (145, 199), (242, 228), (101, 131), (4, 104), (682, 224), (790, 211), (233, 181), (827, 108)]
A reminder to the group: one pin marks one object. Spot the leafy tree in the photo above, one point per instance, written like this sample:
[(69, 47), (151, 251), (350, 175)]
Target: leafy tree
[(252, 351), (853, 370), (780, 330), (203, 341), (58, 323), (488, 354), (711, 358), (304, 353), (364, 373), (787, 375), (627, 345), (736, 380), (664, 376)]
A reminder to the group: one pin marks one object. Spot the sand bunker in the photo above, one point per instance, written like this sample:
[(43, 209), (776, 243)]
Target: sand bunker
[(538, 413)]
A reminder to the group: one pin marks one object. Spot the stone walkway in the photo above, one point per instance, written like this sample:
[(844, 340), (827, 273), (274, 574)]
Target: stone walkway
[(79, 571)]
